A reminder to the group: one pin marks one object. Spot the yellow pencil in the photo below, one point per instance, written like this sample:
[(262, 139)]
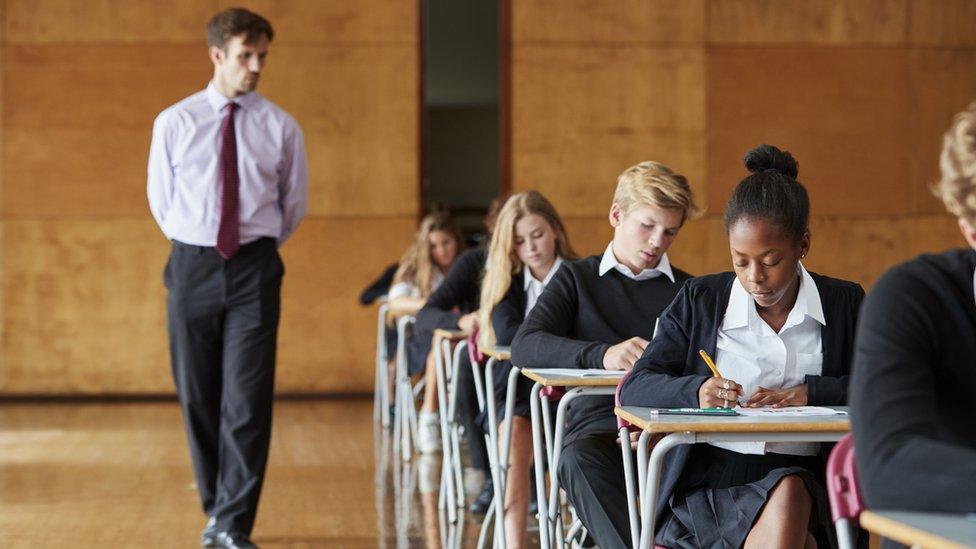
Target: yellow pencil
[(708, 361)]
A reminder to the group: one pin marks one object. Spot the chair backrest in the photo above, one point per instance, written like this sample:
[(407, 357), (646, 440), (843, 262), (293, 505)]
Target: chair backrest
[(476, 356), (843, 490)]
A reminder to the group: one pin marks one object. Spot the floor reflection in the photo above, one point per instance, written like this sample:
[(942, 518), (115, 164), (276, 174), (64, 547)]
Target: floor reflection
[(407, 503)]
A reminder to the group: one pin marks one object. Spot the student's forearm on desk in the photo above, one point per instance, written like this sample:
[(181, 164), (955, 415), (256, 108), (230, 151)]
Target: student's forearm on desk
[(538, 349)]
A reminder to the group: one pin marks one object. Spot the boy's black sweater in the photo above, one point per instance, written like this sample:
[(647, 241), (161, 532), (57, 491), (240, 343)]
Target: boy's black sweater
[(582, 314)]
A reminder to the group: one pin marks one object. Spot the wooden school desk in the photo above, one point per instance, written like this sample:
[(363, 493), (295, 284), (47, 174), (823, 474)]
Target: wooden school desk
[(929, 530), (695, 429), (576, 383)]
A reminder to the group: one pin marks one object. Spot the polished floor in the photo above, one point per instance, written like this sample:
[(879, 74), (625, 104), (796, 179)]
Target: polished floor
[(118, 475)]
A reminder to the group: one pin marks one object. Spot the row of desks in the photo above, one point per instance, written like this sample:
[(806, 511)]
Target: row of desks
[(933, 530), (924, 529)]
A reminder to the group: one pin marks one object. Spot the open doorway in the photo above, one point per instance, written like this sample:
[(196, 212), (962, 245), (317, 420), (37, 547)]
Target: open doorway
[(464, 137)]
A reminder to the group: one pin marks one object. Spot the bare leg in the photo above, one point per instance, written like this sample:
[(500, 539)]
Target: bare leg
[(785, 520), (430, 392), (517, 488)]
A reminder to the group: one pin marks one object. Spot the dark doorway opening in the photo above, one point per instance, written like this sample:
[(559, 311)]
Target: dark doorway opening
[(464, 137)]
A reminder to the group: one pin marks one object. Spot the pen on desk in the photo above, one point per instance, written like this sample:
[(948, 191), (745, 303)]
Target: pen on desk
[(710, 363)]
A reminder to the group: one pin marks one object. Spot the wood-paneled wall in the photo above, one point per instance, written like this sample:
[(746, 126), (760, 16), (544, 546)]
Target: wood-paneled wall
[(859, 91), (82, 307)]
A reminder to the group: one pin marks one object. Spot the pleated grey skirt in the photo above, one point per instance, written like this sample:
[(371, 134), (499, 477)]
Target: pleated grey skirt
[(721, 493)]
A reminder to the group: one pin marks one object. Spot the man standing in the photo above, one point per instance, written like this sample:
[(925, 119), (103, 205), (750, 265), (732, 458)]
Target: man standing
[(227, 185)]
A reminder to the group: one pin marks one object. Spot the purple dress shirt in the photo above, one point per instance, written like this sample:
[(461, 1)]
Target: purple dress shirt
[(183, 183)]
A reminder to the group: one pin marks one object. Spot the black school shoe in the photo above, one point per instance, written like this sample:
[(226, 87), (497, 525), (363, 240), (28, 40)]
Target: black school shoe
[(482, 503)]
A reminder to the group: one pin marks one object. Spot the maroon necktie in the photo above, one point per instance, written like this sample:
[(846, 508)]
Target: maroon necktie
[(228, 235)]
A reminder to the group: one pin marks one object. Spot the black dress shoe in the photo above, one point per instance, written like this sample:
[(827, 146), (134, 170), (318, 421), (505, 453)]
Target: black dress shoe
[(209, 535), (233, 541), (482, 503)]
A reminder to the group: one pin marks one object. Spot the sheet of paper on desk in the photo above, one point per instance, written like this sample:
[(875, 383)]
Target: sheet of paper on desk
[(582, 372), (791, 411)]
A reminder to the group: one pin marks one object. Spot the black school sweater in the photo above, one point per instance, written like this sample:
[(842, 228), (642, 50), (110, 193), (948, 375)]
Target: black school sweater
[(457, 295), (913, 391), (670, 372), (578, 317)]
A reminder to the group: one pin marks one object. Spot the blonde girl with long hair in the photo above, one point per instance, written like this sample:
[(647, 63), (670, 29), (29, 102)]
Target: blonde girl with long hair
[(527, 248), (422, 268), (425, 263)]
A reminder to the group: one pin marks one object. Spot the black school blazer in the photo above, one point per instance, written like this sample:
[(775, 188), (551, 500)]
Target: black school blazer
[(670, 372)]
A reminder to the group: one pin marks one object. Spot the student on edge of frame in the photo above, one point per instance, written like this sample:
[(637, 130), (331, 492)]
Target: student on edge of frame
[(913, 391)]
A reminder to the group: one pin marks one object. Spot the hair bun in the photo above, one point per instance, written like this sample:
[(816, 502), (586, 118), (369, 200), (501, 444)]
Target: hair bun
[(768, 157)]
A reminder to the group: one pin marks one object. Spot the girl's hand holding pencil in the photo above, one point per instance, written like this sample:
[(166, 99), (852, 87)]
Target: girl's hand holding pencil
[(717, 392)]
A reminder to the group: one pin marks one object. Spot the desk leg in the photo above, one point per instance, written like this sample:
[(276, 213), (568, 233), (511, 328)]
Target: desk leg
[(535, 406), (381, 396), (649, 504), (442, 350), (497, 473), (642, 458), (628, 459), (455, 428), (558, 429)]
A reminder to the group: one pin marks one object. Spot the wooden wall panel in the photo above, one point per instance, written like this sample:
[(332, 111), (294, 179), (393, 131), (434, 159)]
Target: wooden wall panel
[(944, 23), (357, 106), (86, 309), (844, 113), (619, 22), (862, 249), (327, 340), (583, 115), (56, 98), (943, 82), (102, 21), (805, 22), (337, 21), (85, 306)]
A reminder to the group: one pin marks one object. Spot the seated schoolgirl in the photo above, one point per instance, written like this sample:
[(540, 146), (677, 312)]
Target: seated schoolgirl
[(453, 306), (527, 248), (599, 313), (421, 271), (913, 391), (781, 336)]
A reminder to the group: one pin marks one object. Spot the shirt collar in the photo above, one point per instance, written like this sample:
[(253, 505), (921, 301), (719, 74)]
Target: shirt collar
[(609, 261), (528, 278), (218, 100), (742, 308)]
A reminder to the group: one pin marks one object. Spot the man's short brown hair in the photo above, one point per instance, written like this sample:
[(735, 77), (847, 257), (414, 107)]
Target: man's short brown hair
[(235, 22)]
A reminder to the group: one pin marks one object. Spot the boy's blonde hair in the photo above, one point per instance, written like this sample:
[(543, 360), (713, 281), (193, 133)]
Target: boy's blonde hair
[(957, 188), (654, 184)]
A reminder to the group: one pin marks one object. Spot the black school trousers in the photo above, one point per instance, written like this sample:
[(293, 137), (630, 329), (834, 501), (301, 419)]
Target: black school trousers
[(222, 317)]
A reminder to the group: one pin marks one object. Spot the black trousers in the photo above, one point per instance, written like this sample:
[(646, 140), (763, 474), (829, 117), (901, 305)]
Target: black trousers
[(223, 324), (591, 470)]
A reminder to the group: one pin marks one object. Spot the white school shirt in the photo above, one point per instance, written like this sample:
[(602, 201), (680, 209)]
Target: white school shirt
[(533, 287), (409, 289), (750, 353), (609, 261)]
